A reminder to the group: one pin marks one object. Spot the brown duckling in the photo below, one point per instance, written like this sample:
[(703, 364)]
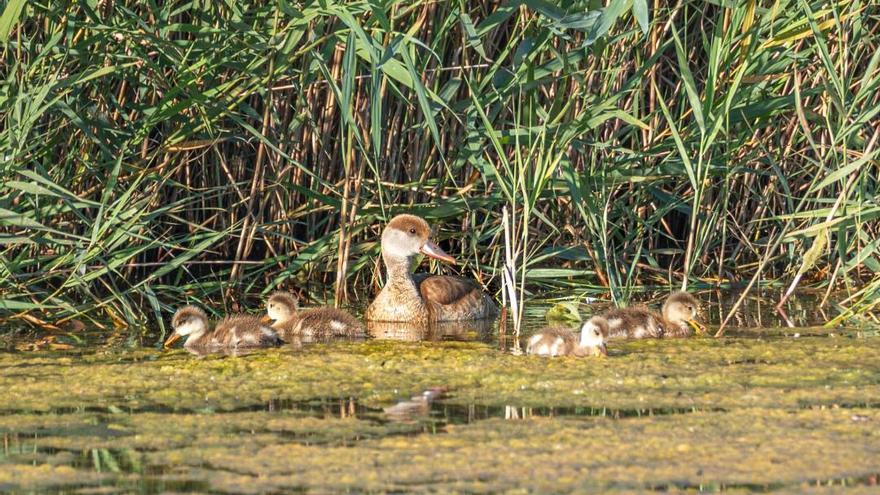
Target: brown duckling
[(318, 323), (232, 332), (639, 322), (422, 298), (560, 341)]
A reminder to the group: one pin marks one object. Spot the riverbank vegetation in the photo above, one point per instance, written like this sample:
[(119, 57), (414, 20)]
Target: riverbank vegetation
[(215, 151)]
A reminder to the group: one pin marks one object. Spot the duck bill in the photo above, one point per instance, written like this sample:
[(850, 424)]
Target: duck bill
[(172, 339), (603, 350), (432, 250), (265, 320), (699, 329)]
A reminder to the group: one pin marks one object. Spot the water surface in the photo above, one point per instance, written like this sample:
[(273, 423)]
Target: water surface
[(768, 408)]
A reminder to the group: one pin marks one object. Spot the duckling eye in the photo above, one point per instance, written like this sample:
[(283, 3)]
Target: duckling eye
[(412, 230)]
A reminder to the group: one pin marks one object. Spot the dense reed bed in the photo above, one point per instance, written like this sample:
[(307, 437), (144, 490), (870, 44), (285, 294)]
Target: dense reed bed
[(213, 151)]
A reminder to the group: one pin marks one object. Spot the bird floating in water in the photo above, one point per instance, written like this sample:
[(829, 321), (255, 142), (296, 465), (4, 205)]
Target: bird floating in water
[(422, 298), (232, 332), (560, 341), (282, 308), (677, 319)]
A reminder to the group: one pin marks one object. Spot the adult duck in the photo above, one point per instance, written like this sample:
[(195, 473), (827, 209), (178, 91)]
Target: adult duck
[(422, 298)]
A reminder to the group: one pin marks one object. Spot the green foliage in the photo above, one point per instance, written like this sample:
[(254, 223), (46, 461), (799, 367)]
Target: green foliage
[(564, 313), (208, 151)]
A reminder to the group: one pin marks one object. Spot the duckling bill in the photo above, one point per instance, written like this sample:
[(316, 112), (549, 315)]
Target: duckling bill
[(232, 332), (560, 341)]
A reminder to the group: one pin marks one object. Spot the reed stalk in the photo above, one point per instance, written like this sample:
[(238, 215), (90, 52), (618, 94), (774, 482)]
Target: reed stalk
[(152, 155)]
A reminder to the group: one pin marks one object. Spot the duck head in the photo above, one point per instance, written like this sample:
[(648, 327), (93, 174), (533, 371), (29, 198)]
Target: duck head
[(682, 308), (188, 320), (281, 306), (408, 235), (593, 334)]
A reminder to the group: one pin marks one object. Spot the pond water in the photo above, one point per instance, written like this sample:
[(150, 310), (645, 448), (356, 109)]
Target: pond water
[(766, 408)]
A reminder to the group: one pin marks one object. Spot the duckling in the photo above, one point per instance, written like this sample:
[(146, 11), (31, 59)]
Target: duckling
[(639, 322), (560, 341), (318, 323), (236, 331), (422, 298)]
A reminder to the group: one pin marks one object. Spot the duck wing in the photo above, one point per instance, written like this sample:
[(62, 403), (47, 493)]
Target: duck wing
[(243, 331), (633, 322), (443, 289), (552, 341), (453, 298), (322, 323)]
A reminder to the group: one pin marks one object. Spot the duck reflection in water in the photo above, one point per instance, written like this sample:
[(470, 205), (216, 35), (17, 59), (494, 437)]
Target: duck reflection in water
[(293, 343), (417, 405), (432, 331)]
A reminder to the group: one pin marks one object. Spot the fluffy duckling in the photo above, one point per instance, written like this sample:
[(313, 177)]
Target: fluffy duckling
[(232, 332), (639, 322), (422, 298), (319, 323), (560, 341)]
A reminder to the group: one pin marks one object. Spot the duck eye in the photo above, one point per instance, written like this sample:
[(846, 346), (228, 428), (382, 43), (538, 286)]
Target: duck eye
[(412, 230)]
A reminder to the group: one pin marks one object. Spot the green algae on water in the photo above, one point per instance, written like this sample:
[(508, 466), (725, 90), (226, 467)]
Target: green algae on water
[(670, 414)]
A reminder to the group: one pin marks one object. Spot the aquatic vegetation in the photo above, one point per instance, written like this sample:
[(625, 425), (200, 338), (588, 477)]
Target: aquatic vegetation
[(702, 373), (566, 312), (552, 455), (667, 413)]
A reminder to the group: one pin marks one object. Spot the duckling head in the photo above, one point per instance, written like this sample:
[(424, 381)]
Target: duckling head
[(408, 235), (188, 320), (593, 334), (282, 306), (681, 309)]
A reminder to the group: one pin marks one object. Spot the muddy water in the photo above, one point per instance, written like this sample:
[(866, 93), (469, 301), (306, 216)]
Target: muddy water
[(771, 409)]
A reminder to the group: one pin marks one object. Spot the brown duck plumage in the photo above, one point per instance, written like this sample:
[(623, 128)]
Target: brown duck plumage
[(560, 341), (309, 324), (639, 322), (232, 332), (422, 298)]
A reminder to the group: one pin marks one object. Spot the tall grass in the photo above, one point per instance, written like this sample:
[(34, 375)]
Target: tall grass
[(216, 150)]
